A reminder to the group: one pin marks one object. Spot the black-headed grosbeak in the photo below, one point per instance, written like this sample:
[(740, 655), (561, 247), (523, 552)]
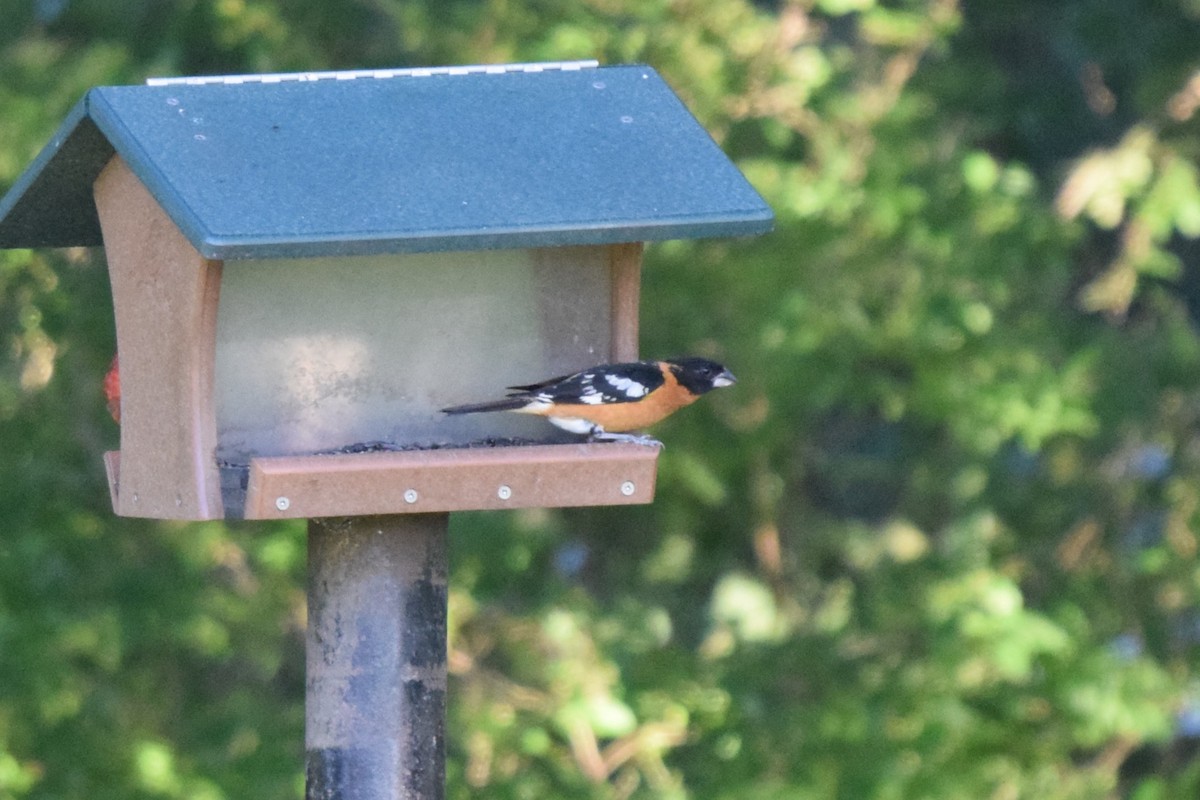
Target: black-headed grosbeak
[(607, 401)]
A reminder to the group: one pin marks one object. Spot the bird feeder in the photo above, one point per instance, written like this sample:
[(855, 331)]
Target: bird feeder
[(306, 265), (305, 268)]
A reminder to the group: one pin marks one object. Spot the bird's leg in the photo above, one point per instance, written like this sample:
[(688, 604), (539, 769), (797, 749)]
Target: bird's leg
[(598, 434)]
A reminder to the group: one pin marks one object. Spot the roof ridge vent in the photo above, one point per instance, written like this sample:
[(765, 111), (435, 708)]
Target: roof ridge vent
[(355, 74)]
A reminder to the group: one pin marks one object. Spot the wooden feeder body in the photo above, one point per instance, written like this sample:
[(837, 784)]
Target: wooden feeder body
[(246, 358), (278, 357)]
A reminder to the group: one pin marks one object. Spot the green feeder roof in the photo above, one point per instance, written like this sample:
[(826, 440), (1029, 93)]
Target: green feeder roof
[(319, 164)]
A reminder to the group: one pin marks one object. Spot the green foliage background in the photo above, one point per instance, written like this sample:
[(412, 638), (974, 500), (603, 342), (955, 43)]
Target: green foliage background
[(940, 542)]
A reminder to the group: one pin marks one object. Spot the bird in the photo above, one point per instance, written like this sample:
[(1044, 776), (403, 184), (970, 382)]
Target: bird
[(112, 390), (608, 401)]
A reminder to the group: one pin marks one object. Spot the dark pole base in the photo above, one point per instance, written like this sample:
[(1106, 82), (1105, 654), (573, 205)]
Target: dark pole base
[(376, 657)]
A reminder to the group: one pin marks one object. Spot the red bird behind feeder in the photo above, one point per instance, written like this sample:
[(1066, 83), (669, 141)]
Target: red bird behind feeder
[(112, 390)]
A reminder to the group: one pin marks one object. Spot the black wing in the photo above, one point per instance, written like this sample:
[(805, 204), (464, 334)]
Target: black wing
[(611, 383), (537, 387)]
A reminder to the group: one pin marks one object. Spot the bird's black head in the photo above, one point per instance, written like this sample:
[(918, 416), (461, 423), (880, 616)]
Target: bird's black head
[(699, 375)]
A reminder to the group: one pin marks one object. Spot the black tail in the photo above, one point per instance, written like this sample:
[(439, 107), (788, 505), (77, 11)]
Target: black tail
[(507, 404)]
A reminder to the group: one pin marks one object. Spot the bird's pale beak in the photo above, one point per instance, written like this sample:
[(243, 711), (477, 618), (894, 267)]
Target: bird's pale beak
[(724, 379)]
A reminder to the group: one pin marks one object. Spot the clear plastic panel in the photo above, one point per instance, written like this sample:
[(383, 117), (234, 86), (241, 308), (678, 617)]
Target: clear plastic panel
[(320, 354)]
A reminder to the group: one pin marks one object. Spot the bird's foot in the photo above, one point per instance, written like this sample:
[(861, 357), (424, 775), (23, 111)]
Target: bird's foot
[(631, 438)]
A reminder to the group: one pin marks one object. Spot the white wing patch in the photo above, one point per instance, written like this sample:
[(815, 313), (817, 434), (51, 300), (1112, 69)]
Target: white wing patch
[(626, 386), (589, 394)]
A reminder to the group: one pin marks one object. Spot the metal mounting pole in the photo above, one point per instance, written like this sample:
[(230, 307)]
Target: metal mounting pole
[(376, 656)]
